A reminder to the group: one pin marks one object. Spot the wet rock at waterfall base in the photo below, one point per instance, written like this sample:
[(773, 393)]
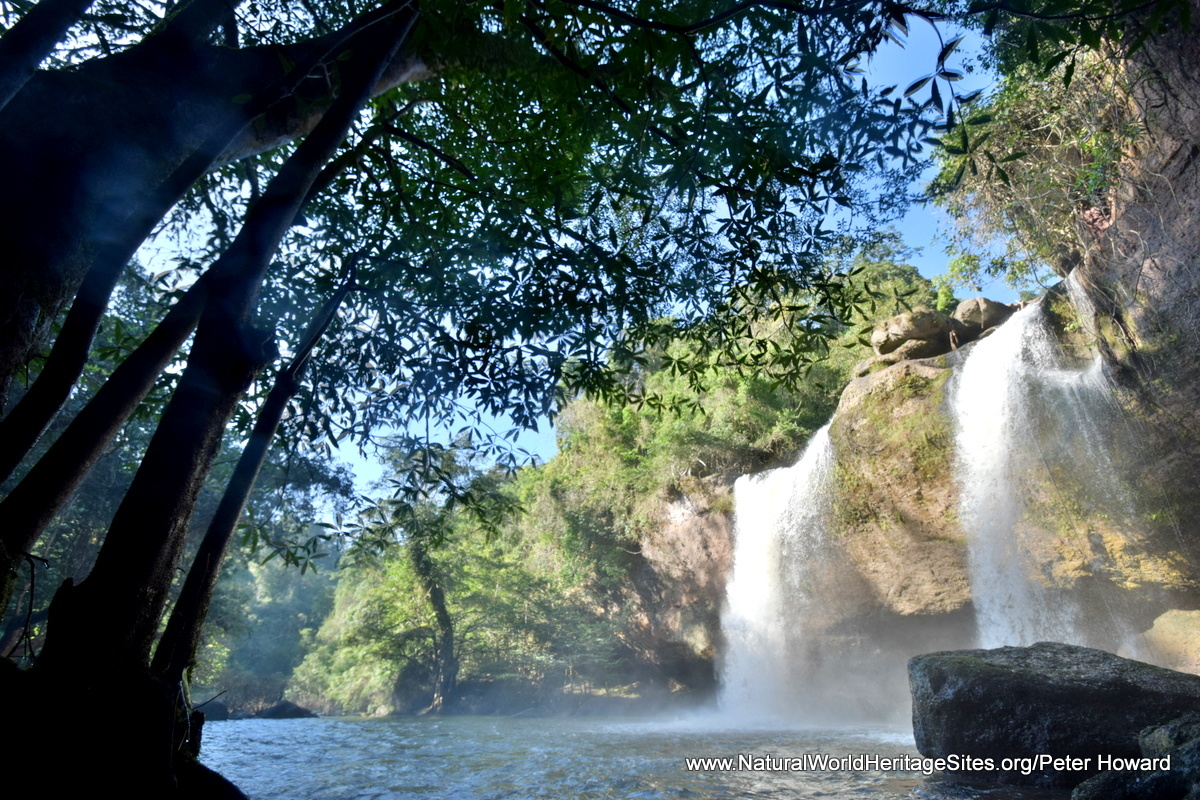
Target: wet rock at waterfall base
[(1055, 700), (1180, 741)]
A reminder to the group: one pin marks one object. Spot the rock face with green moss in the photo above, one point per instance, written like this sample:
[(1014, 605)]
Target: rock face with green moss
[(1135, 266), (895, 504), (1115, 554), (1136, 270)]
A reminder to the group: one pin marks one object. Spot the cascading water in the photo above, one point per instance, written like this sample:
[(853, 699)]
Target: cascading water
[(1025, 417), (992, 408), (780, 518), (1035, 433)]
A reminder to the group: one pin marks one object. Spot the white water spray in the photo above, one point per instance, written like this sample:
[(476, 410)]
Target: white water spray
[(1023, 414), (992, 410), (1035, 438), (780, 526)]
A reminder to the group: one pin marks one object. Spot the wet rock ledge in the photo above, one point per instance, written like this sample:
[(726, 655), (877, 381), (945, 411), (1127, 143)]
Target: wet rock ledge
[(1113, 724)]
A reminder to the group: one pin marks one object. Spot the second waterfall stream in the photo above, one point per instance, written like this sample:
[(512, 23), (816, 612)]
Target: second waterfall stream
[(1029, 424)]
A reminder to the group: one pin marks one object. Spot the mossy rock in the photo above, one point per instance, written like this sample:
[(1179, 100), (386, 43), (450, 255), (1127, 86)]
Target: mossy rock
[(895, 500)]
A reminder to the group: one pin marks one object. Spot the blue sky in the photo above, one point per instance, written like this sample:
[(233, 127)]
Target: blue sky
[(925, 227)]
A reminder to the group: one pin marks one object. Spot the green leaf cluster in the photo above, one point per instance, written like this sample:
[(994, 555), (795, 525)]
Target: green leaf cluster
[(1041, 155), (1054, 156), (571, 176), (524, 616)]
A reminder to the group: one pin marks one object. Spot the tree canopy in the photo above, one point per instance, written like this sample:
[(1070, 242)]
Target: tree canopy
[(425, 215)]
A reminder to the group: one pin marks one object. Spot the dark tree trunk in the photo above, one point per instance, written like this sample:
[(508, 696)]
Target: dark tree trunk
[(33, 503), (120, 603), (191, 23), (127, 588), (34, 36), (445, 673), (20, 430), (74, 189), (100, 632), (176, 650)]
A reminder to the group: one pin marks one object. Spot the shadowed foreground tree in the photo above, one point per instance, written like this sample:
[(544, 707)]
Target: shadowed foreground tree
[(533, 192)]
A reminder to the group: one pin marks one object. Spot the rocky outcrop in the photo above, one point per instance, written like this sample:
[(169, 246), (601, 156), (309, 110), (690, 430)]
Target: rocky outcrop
[(1111, 554), (1173, 640), (886, 576), (1179, 741), (1135, 266), (686, 559), (1049, 699), (896, 501), (214, 711), (979, 314), (924, 333), (929, 330)]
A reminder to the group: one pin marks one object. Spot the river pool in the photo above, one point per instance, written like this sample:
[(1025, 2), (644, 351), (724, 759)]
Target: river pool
[(489, 758)]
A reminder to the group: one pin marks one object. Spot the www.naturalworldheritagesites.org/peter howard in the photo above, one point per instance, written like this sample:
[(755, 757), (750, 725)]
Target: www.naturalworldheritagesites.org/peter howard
[(821, 762)]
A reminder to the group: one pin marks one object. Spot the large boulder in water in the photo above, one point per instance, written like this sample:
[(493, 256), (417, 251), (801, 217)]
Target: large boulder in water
[(284, 709), (214, 711), (1049, 699)]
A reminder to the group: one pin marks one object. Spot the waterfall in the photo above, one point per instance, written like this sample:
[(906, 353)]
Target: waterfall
[(780, 517), (1025, 418), (992, 409), (1037, 437)]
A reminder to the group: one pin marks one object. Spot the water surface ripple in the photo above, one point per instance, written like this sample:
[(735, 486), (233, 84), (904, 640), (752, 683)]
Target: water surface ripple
[(488, 758)]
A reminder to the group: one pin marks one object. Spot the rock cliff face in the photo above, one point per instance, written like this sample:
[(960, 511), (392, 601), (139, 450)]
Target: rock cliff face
[(895, 508), (899, 560), (1138, 268), (685, 562), (1095, 540)]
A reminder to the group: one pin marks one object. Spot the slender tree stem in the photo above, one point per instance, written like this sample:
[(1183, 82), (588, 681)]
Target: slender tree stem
[(176, 650)]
